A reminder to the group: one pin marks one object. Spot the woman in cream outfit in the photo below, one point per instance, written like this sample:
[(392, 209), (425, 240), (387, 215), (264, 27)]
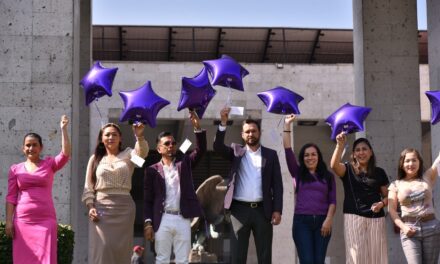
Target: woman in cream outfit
[(107, 195)]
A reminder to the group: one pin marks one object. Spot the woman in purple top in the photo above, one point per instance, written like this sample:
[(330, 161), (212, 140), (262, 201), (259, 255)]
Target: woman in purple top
[(315, 199)]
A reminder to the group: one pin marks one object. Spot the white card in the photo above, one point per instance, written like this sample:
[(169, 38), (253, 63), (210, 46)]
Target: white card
[(237, 110), (185, 146), (137, 160)]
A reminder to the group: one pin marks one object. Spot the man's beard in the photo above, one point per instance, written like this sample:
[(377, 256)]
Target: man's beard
[(254, 142)]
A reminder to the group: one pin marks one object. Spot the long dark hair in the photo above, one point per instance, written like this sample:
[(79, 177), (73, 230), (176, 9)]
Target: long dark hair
[(321, 168), (100, 149), (401, 172), (371, 166)]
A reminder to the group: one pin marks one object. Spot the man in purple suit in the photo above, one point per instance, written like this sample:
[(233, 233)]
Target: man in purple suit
[(169, 197), (255, 190)]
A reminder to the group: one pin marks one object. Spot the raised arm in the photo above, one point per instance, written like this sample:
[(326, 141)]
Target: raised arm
[(141, 147), (219, 141), (287, 141), (292, 164), (336, 164), (195, 121), (200, 149), (433, 171), (65, 142), (224, 115)]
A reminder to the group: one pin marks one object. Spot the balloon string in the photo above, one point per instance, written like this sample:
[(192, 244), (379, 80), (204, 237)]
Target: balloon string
[(279, 122), (187, 130), (99, 112), (345, 150), (229, 100)]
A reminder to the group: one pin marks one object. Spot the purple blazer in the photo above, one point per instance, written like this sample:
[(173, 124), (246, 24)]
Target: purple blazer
[(155, 190), (271, 173)]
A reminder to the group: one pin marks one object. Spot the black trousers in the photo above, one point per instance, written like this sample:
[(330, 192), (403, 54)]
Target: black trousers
[(245, 219)]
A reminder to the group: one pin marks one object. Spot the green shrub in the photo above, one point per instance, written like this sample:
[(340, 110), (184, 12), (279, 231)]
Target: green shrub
[(65, 245), (5, 246), (66, 242)]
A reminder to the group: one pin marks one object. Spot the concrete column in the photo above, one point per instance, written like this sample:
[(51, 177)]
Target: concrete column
[(434, 62), (283, 248), (80, 135), (433, 7), (387, 79), (36, 85)]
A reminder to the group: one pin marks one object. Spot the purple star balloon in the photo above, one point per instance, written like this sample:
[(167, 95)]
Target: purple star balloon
[(348, 118), (142, 105), (280, 100), (196, 93), (434, 98), (98, 82), (226, 72)]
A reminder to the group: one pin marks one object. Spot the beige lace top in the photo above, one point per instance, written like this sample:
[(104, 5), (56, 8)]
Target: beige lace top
[(415, 197), (113, 177)]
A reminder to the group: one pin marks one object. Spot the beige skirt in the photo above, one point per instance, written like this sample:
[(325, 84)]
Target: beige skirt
[(111, 238)]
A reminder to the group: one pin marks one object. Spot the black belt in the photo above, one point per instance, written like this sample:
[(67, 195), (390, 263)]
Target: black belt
[(249, 204), (173, 212)]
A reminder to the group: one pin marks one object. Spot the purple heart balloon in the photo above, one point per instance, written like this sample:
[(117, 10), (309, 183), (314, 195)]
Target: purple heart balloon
[(434, 98), (348, 118), (98, 82), (280, 100), (142, 105), (196, 93), (226, 72)]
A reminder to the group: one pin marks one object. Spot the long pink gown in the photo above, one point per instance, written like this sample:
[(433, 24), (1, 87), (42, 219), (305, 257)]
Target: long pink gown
[(35, 224)]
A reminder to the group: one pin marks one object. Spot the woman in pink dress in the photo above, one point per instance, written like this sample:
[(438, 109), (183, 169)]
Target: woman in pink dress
[(30, 212)]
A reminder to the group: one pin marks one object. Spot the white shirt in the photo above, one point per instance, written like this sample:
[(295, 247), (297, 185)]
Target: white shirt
[(172, 184), (248, 184)]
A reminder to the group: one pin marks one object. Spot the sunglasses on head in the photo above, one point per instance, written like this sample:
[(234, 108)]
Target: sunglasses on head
[(168, 143)]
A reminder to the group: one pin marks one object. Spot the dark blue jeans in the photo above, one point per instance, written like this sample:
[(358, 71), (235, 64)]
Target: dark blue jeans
[(311, 246)]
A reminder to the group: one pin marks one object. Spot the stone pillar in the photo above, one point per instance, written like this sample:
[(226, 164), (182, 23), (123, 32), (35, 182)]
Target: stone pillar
[(434, 62), (82, 50), (36, 44), (433, 7), (283, 248), (387, 79)]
